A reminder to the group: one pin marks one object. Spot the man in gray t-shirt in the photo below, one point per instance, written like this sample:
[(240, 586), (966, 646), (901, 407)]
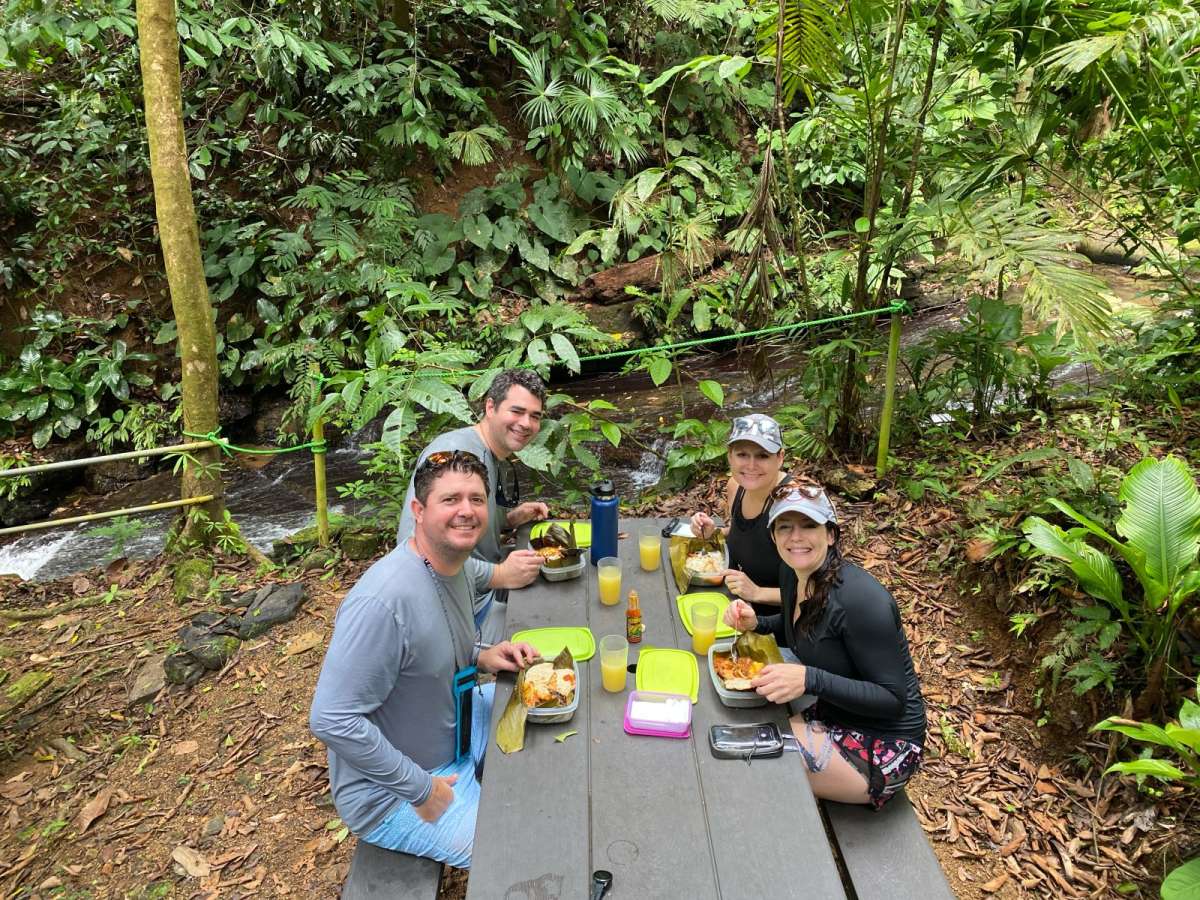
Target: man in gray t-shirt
[(512, 417), (385, 706)]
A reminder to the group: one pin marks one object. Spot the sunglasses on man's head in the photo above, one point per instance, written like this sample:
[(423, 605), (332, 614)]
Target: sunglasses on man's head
[(465, 458)]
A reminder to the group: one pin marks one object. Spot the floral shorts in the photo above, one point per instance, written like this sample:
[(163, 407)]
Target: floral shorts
[(886, 763)]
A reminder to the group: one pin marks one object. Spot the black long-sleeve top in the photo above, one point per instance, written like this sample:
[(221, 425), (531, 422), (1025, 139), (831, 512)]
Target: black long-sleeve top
[(859, 665)]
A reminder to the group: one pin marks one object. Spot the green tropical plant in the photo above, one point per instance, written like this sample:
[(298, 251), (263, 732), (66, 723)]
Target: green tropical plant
[(1159, 529), (1181, 738)]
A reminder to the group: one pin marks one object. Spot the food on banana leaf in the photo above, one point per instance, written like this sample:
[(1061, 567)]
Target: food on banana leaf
[(549, 553), (545, 685), (705, 562), (736, 673), (510, 731), (556, 547)]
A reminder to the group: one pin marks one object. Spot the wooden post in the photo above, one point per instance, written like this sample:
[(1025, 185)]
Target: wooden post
[(889, 397), (319, 478)]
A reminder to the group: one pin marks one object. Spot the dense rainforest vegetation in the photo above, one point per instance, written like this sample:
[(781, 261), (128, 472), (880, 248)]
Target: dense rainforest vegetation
[(397, 199)]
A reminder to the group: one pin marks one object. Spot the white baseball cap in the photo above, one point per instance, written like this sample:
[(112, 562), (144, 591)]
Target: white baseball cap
[(808, 500)]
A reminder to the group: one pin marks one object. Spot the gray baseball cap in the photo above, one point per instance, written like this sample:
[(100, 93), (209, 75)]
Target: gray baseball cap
[(808, 500), (759, 429)]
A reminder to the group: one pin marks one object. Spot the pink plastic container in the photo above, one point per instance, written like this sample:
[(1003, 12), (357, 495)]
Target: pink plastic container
[(658, 714)]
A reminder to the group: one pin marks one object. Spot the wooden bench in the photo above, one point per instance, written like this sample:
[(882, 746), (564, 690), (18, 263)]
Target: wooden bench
[(885, 854), (378, 874)]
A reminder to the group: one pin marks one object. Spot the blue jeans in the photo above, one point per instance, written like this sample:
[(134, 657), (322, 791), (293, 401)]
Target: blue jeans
[(451, 838)]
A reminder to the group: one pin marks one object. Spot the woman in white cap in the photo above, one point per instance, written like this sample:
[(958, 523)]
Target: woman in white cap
[(844, 628), (756, 468)]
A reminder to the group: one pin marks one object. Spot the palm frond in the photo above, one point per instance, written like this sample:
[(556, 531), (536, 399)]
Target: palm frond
[(586, 109), (1004, 236), (474, 147), (812, 38)]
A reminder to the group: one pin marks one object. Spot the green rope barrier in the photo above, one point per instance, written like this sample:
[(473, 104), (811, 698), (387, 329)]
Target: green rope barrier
[(229, 449)]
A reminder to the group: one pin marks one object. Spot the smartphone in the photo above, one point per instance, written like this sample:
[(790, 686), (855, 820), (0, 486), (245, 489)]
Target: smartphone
[(463, 687), (759, 741)]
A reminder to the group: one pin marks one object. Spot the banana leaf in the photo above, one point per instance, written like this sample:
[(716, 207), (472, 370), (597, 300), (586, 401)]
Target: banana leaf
[(759, 647), (510, 732), (678, 550), (564, 660)]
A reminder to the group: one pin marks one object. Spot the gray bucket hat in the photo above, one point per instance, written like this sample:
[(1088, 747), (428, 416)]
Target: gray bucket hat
[(808, 500), (759, 429)]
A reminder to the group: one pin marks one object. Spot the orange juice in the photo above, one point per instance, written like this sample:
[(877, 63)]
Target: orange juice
[(702, 639), (610, 584), (650, 548), (612, 674)]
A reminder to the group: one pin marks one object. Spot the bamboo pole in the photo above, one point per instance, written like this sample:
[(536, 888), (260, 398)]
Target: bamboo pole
[(112, 457), (889, 398), (92, 517), (319, 478)]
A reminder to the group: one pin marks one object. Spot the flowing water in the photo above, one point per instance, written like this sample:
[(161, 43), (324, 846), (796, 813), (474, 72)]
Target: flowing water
[(276, 499)]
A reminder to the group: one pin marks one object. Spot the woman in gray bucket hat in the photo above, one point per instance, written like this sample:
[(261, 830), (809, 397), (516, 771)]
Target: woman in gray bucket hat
[(756, 468)]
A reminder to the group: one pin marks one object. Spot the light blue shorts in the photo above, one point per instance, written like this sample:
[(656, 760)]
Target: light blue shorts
[(451, 837)]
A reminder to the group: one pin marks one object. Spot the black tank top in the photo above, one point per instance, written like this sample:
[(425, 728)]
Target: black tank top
[(751, 548)]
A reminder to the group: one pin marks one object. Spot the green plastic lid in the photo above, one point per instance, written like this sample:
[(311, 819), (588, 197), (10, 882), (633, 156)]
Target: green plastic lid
[(581, 530), (550, 641), (668, 671), (685, 602)]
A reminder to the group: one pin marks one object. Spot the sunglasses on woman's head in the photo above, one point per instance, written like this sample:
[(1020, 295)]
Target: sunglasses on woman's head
[(786, 489)]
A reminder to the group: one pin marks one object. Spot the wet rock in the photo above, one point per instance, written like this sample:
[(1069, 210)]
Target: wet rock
[(853, 485), (267, 423), (104, 478), (181, 668), (22, 691), (280, 605), (191, 579), (149, 680), (250, 597), (317, 559), (210, 639), (360, 544), (214, 825), (295, 546), (35, 500), (233, 409)]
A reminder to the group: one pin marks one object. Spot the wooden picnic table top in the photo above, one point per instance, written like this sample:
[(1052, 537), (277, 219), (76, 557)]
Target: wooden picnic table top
[(663, 815)]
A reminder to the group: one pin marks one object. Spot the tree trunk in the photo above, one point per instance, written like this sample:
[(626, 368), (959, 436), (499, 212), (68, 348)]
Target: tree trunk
[(158, 47)]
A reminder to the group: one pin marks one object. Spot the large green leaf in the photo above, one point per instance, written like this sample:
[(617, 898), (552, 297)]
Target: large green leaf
[(1183, 883), (1161, 517), (1157, 768), (1096, 572)]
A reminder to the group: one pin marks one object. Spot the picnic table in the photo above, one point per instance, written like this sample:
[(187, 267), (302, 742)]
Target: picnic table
[(663, 815)]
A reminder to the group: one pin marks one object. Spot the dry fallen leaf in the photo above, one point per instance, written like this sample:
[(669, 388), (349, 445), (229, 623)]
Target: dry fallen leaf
[(299, 644), (125, 253), (183, 748), (97, 807), (995, 884), (193, 861)]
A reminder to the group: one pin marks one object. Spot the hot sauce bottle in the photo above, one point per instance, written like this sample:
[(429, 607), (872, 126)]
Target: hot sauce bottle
[(633, 620)]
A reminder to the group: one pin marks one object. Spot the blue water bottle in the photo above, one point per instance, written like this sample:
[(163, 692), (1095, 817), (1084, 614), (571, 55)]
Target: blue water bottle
[(604, 521)]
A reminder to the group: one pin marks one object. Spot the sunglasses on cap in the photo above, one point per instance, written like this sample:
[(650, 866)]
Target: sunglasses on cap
[(786, 488)]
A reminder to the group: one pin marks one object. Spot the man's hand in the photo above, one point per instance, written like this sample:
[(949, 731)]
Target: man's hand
[(518, 569), (506, 657), (439, 799), (740, 616), (781, 682), (533, 511)]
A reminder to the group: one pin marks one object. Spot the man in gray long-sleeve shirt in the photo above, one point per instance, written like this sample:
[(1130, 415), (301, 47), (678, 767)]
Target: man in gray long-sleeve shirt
[(512, 417), (385, 706)]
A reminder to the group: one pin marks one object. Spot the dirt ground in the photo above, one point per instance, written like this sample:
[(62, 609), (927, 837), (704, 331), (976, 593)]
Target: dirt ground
[(220, 791)]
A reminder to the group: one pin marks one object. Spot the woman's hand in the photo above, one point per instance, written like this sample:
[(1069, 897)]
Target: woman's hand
[(740, 585), (703, 525), (740, 616), (781, 682)]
